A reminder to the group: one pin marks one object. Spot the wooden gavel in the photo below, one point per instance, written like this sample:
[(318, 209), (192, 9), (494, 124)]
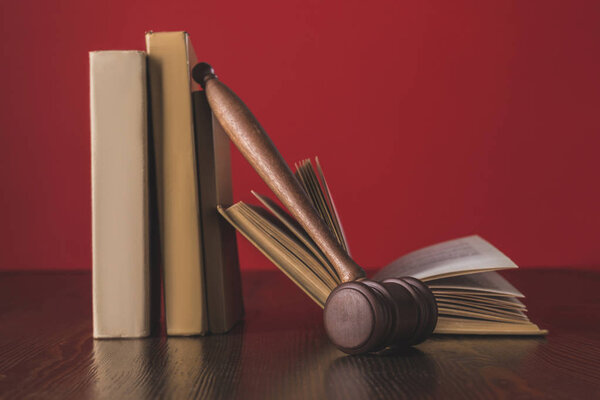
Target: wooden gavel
[(360, 315)]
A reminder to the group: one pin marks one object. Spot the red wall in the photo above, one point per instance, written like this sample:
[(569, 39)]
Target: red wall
[(432, 119)]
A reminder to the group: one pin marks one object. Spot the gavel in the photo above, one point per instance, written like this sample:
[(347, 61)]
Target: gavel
[(360, 315)]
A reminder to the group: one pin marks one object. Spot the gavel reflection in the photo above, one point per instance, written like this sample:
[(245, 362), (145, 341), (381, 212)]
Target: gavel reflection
[(360, 315)]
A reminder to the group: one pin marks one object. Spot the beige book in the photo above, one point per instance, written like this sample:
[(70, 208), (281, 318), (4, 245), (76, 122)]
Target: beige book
[(170, 57), (223, 283), (472, 297), (118, 106)]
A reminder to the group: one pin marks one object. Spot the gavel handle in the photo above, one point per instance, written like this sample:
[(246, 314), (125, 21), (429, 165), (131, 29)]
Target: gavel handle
[(255, 145)]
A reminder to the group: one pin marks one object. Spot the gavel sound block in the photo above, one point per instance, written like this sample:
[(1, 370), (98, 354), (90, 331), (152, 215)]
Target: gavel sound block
[(360, 315)]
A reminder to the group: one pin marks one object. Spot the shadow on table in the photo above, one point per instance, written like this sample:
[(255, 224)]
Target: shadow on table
[(400, 374)]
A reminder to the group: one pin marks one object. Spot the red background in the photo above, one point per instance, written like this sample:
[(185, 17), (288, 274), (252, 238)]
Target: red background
[(433, 119)]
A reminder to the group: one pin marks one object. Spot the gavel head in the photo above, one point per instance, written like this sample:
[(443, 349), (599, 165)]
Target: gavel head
[(368, 316)]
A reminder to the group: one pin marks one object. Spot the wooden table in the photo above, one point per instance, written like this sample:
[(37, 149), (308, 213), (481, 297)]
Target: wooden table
[(281, 352)]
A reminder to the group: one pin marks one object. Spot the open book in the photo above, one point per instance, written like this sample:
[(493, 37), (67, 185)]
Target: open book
[(472, 298)]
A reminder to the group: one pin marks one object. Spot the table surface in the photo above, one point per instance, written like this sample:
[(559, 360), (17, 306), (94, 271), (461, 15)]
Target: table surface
[(280, 351)]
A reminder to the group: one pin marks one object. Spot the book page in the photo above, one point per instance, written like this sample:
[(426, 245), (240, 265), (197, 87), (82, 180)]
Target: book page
[(318, 195), (491, 282), (336, 216), (457, 325), (278, 255), (298, 231), (455, 257), (271, 226), (506, 302), (455, 311), (478, 307)]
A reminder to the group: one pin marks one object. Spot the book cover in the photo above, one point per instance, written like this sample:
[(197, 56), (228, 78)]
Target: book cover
[(118, 106), (223, 283)]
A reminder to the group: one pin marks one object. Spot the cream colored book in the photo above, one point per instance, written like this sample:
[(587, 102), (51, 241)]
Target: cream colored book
[(170, 57), (118, 106), (472, 297)]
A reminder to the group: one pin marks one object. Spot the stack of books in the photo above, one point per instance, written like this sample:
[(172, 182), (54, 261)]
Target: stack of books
[(156, 146)]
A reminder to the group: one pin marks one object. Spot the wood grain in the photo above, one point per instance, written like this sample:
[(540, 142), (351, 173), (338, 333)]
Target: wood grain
[(281, 351)]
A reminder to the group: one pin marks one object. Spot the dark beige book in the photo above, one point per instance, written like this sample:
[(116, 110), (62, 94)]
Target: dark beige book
[(472, 297), (223, 283), (170, 57)]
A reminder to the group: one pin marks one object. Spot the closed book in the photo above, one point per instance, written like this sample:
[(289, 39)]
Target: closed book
[(170, 56), (118, 105), (223, 284)]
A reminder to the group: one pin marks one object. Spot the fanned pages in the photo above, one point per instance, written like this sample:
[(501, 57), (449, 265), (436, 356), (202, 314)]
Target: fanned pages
[(318, 193), (455, 257), (485, 282), (472, 298), (121, 298), (297, 230), (461, 326), (329, 198), (282, 257)]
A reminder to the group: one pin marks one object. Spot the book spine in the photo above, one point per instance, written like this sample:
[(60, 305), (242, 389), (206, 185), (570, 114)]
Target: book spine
[(118, 105), (223, 283), (170, 55)]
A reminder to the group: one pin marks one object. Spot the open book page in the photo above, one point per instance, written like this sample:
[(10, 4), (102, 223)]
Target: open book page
[(279, 233), (308, 179), (507, 302), (320, 196), (470, 313), (478, 308), (490, 282), (334, 212), (298, 231), (455, 257), (279, 255)]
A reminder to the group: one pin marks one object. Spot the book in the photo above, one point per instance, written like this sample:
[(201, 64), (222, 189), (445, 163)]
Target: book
[(223, 282), (472, 297), (120, 248), (170, 56)]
